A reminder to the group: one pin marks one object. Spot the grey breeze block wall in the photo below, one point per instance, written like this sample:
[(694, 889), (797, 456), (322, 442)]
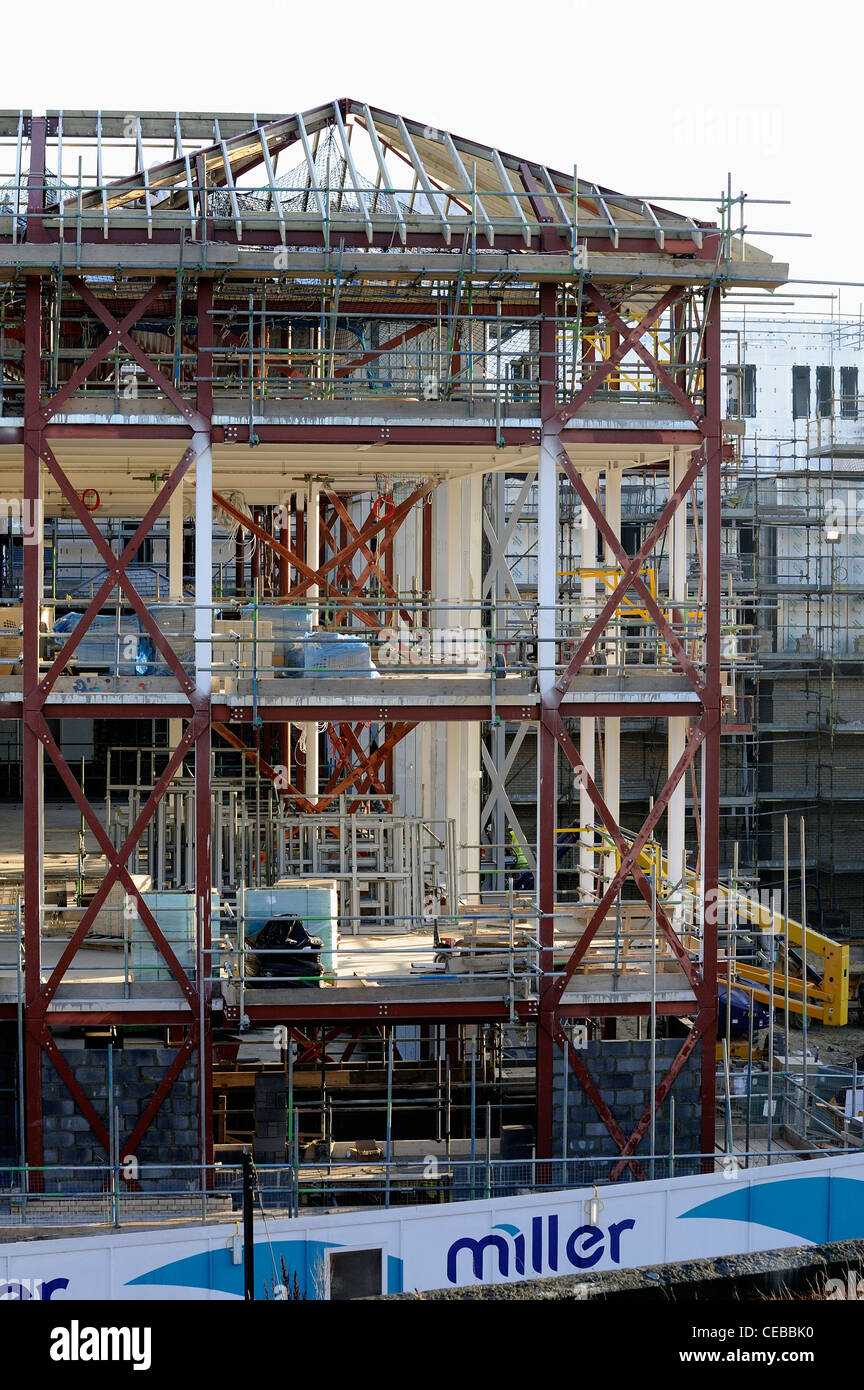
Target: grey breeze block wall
[(173, 1133), (621, 1072), (8, 1094)]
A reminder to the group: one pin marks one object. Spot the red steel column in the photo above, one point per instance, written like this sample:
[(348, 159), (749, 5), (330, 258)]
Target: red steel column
[(203, 872), (284, 572), (711, 701), (32, 788), (32, 792), (547, 806)]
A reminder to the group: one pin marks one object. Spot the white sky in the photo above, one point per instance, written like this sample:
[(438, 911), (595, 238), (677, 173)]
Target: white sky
[(647, 100)]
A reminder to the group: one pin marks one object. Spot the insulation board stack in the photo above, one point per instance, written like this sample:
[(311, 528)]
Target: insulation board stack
[(11, 618), (241, 649), (289, 623), (314, 900), (328, 654), (175, 915)]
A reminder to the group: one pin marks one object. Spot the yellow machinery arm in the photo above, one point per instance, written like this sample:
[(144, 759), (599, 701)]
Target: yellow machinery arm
[(826, 1002)]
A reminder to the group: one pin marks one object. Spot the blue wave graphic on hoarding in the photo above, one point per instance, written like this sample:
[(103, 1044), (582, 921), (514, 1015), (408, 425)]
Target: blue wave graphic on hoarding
[(216, 1271), (817, 1209)]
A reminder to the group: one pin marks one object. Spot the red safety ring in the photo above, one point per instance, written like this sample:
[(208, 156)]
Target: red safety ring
[(384, 500), (91, 499)]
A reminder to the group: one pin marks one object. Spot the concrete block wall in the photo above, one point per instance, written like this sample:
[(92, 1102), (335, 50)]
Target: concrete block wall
[(621, 1071), (172, 1137), (8, 1094)]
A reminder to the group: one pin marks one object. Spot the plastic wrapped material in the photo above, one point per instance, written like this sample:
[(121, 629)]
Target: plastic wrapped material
[(287, 623), (328, 654), (177, 622), (100, 649)]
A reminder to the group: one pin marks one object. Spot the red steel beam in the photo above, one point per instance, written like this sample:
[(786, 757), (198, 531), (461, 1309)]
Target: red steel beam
[(389, 709), (203, 809), (665, 1086), (319, 238), (412, 1011), (389, 525), (589, 502), (374, 560), (117, 572), (630, 574), (334, 787), (117, 864), (713, 714), (577, 1066), (656, 368), (145, 1119), (32, 795), (254, 756), (628, 342), (122, 335), (109, 1016), (434, 435), (117, 334), (36, 180), (279, 548), (74, 1087), (629, 856)]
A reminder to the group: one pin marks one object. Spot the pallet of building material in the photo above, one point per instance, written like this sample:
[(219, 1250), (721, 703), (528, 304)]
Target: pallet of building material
[(574, 920), (289, 623), (11, 640), (496, 936), (494, 922), (498, 908), (239, 648), (60, 894), (607, 965), (635, 940), (114, 919), (472, 963), (116, 913), (489, 953), (314, 900), (176, 621), (627, 953), (327, 654)]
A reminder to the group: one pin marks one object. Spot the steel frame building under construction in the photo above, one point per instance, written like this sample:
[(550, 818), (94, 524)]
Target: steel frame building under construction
[(338, 333)]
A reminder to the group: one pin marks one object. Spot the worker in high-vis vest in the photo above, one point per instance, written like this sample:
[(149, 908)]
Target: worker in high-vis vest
[(520, 872)]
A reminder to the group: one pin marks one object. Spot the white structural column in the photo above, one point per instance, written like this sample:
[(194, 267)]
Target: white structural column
[(175, 544), (460, 583), (614, 658), (547, 562), (203, 564), (547, 549), (677, 734), (587, 727), (448, 779), (175, 578), (465, 529), (313, 560)]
